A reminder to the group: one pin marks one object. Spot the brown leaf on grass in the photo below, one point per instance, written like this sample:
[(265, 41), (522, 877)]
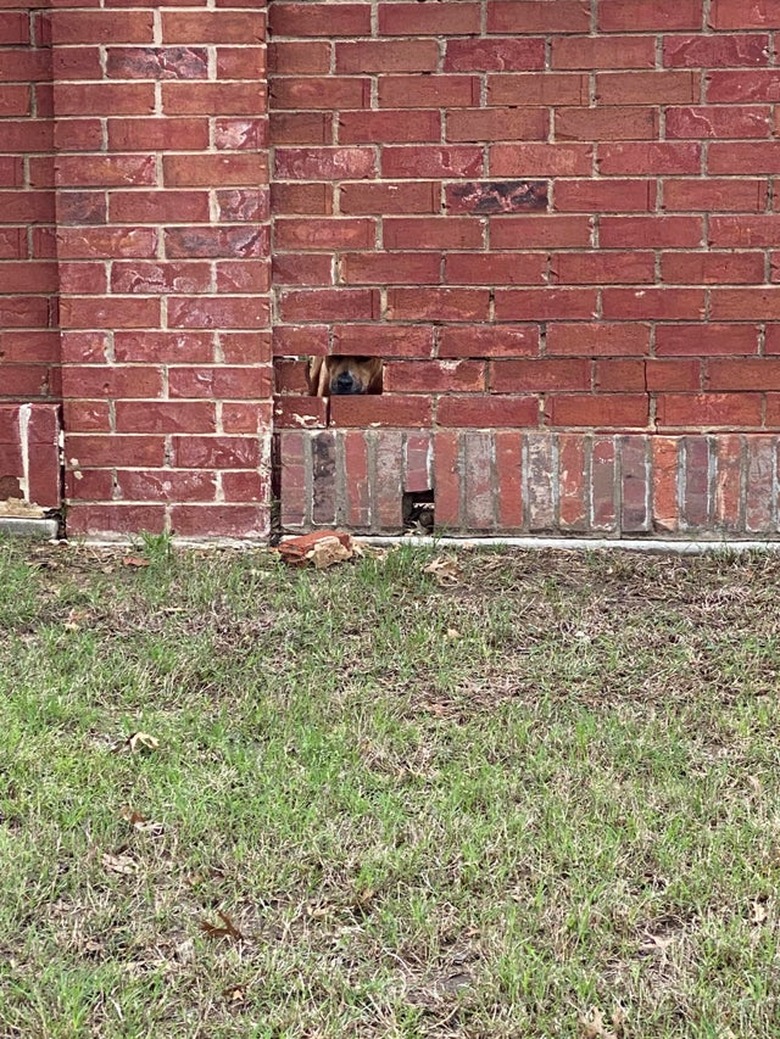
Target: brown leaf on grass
[(140, 822), (328, 551), (759, 912), (234, 994), (445, 569), (138, 562), (75, 619), (139, 741), (227, 929), (593, 1026), (122, 864)]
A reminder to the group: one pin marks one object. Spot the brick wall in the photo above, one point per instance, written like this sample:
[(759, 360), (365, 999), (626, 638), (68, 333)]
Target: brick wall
[(29, 341), (163, 248), (550, 217)]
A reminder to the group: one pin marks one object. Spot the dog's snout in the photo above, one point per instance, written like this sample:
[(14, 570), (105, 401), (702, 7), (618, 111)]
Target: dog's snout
[(344, 383)]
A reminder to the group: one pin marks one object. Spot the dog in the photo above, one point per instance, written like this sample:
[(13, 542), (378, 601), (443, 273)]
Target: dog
[(343, 376)]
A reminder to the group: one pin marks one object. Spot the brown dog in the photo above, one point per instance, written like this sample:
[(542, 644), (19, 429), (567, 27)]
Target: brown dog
[(338, 376)]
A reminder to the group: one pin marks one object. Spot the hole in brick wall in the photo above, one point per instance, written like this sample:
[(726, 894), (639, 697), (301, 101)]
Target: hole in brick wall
[(345, 375), (417, 511)]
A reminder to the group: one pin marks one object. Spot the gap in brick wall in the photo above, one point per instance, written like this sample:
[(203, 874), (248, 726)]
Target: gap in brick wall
[(417, 510)]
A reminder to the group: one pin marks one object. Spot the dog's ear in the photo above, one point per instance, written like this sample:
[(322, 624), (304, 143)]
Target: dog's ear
[(319, 378), (374, 384)]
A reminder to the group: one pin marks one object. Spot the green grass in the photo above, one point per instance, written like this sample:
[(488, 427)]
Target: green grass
[(541, 801)]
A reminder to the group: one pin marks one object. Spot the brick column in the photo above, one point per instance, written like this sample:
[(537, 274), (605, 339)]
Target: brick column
[(163, 250)]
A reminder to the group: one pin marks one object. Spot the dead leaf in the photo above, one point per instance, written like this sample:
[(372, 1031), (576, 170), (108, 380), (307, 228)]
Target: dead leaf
[(592, 1025), (140, 823), (234, 994), (122, 864), (135, 561), (75, 620), (328, 551), (755, 785), (445, 569), (453, 633), (759, 912), (227, 929), (142, 741)]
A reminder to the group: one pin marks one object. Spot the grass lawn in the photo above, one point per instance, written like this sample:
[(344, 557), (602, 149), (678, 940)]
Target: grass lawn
[(239, 800)]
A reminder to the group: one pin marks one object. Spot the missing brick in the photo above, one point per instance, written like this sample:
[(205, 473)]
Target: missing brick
[(341, 376), (417, 511)]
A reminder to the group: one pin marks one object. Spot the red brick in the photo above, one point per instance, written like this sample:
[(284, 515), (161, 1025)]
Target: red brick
[(497, 124), (539, 88), (745, 304), (217, 312), (653, 157), (330, 304), (213, 27), (27, 276), (109, 312), (225, 98), (493, 55), (115, 519), (399, 411), (727, 497), (447, 478), (710, 121), (233, 521), (653, 303), (372, 56), (712, 268), (157, 134), (437, 304), (476, 411), (744, 14), (14, 28), (713, 51), (489, 341), (152, 278), (494, 269), (603, 52), (705, 339), (390, 268), (313, 19), (673, 375), (26, 135), (164, 347), (388, 126), (743, 374), (324, 163), (532, 16), (109, 27), (760, 484), (299, 57), (441, 91), (302, 269), (166, 485), (430, 161), (741, 86), (715, 195), (241, 134), (417, 462), (213, 452), (752, 157), (621, 411), (638, 16), (158, 207), (402, 197), (620, 232), (619, 376), (246, 348), (597, 339), (744, 232), (329, 93), (104, 381), (84, 451), (419, 376), (240, 417), (184, 171), (105, 98), (598, 268), (547, 304), (540, 160), (610, 196), (219, 381), (290, 376), (433, 233), (300, 127), (304, 339), (107, 242), (647, 88), (603, 484), (155, 63), (324, 234), (244, 62), (386, 341), (300, 413), (418, 20), (540, 232), (77, 135), (294, 198), (244, 487), (709, 410), (478, 481), (89, 485), (119, 171), (536, 376), (630, 123)]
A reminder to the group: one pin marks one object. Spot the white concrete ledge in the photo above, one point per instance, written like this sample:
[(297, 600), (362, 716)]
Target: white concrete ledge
[(24, 527)]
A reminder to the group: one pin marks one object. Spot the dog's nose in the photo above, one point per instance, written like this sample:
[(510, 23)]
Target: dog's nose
[(345, 383)]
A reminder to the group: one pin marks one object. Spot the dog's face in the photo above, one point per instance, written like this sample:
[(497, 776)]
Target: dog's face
[(344, 376), (352, 374)]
